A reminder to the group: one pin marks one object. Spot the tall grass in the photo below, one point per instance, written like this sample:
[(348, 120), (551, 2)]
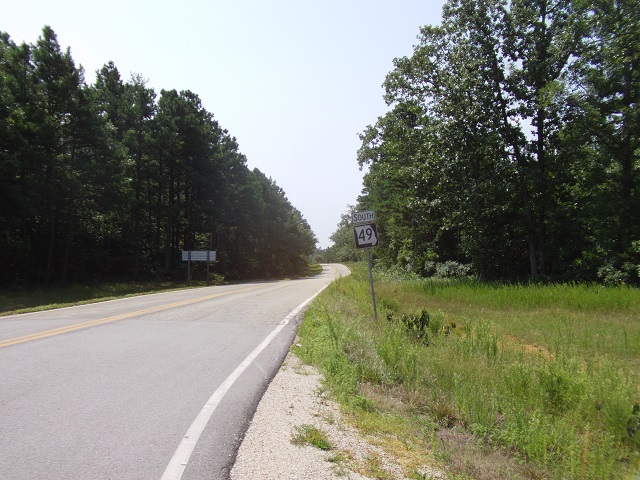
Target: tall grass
[(549, 374)]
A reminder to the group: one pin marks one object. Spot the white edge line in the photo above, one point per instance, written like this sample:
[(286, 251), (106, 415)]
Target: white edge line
[(181, 457)]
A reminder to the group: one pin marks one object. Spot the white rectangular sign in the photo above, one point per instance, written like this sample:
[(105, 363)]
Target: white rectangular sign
[(199, 255), (364, 216)]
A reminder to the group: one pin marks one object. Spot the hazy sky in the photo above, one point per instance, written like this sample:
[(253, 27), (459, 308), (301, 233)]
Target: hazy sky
[(294, 81)]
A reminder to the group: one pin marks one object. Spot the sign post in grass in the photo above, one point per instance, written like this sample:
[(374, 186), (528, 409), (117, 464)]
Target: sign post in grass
[(198, 256), (366, 237)]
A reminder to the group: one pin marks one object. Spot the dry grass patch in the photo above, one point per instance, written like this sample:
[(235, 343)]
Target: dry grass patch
[(476, 460)]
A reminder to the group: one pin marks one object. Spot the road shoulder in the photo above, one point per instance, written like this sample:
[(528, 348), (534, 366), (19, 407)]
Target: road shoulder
[(295, 399)]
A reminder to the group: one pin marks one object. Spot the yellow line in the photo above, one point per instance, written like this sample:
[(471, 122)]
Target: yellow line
[(115, 318)]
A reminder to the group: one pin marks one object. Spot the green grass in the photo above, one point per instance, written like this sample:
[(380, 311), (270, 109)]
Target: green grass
[(546, 378), (310, 435)]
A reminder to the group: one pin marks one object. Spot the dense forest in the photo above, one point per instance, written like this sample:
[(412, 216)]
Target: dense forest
[(512, 144), (112, 180)]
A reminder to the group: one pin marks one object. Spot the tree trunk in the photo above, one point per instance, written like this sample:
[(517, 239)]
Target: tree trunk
[(626, 163), (51, 220)]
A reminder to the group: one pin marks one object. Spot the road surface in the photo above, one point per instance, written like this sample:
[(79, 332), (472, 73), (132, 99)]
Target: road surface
[(153, 387)]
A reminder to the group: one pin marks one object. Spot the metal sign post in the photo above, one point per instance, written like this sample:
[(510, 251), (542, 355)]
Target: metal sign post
[(189, 266), (373, 293), (366, 237)]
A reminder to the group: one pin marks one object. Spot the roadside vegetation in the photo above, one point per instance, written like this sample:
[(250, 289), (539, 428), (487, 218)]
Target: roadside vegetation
[(310, 435), (488, 381), (110, 181), (511, 144)]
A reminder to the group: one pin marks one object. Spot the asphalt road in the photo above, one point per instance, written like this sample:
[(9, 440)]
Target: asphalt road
[(154, 387)]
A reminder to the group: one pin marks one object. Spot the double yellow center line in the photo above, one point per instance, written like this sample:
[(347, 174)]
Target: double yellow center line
[(115, 318)]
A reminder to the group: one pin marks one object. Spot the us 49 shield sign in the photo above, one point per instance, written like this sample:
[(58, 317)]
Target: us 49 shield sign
[(366, 235)]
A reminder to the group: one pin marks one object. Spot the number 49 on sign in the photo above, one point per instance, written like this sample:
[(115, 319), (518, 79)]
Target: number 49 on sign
[(366, 235)]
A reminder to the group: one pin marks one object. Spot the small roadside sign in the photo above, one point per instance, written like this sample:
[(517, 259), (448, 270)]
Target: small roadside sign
[(366, 235), (199, 255), (363, 217)]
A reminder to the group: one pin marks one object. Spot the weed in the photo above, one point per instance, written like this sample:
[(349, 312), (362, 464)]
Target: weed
[(423, 326), (374, 468), (443, 412), (310, 435)]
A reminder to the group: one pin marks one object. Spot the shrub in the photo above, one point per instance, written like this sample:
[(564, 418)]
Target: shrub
[(422, 326), (451, 269)]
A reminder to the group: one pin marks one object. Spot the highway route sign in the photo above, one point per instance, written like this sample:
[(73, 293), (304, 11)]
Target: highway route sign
[(366, 235)]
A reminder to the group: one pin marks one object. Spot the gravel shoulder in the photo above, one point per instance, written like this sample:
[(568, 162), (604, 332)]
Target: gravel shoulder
[(293, 399)]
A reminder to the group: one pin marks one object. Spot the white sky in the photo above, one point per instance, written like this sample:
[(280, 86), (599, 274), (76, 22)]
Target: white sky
[(294, 81)]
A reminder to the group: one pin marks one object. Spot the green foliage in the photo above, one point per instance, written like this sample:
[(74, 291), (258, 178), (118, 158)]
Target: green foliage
[(511, 143), (546, 372), (343, 247), (111, 181), (310, 435), (422, 327)]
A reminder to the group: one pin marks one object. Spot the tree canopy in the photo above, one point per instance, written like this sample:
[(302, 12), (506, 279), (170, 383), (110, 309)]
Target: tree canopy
[(112, 180), (512, 143)]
